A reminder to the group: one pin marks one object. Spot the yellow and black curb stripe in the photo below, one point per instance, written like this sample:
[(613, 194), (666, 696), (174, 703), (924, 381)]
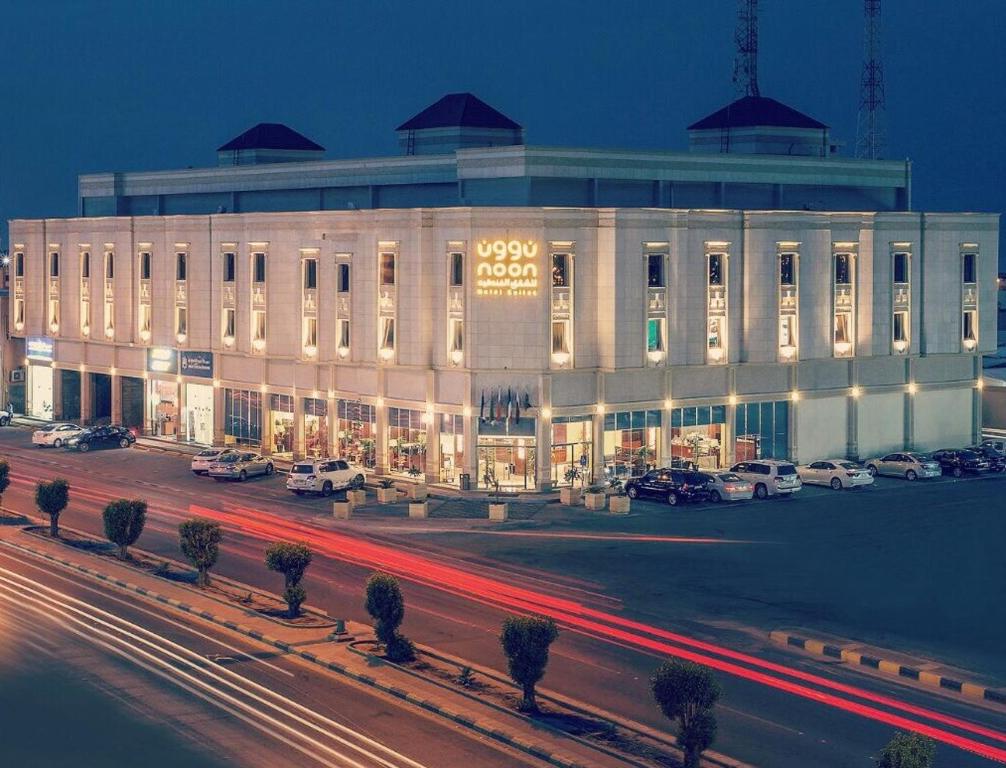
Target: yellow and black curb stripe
[(430, 706), (819, 648)]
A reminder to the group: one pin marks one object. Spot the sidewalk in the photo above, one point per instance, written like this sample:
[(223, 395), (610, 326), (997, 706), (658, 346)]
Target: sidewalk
[(315, 645)]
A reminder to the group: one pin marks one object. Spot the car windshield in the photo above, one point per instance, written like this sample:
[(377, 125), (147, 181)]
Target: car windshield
[(786, 469), (729, 477), (847, 465), (230, 458), (921, 456), (302, 469), (47, 428), (207, 453)]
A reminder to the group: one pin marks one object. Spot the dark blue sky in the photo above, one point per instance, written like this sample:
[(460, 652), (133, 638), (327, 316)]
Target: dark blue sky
[(134, 84)]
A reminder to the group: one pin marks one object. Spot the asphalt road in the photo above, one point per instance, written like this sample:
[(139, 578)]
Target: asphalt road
[(799, 570), (115, 679)]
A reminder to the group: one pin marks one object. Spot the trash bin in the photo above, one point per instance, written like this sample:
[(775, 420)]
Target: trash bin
[(466, 481)]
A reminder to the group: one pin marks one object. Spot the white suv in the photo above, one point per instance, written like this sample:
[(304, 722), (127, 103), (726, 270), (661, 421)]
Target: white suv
[(769, 477), (324, 476)]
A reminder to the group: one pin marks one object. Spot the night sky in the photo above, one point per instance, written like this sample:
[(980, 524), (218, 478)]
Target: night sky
[(139, 85)]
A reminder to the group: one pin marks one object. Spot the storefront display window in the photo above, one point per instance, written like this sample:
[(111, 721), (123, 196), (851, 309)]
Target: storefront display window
[(162, 412), (697, 435), (572, 438), (406, 441), (452, 447), (762, 431), (199, 414), (243, 417), (40, 392), (509, 461), (631, 442), (315, 427), (281, 421), (357, 427)]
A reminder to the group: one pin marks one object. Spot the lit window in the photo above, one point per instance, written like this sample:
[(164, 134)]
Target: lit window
[(230, 317), (258, 325), (109, 319), (560, 341), (901, 331), (716, 307), (843, 297), (387, 269), (19, 314), (343, 338), (181, 321), (787, 332), (310, 334), (387, 348), (54, 315), (145, 318), (970, 329), (562, 310), (560, 270), (656, 345), (457, 340), (901, 295), (788, 306)]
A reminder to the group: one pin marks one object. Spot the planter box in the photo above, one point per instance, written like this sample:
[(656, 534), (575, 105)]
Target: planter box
[(594, 500), (497, 511), (569, 496), (387, 495), (419, 510), (619, 505), (357, 497), (418, 492), (342, 509)]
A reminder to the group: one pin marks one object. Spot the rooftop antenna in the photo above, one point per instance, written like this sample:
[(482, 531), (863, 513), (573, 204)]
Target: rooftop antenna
[(746, 39), (870, 133)]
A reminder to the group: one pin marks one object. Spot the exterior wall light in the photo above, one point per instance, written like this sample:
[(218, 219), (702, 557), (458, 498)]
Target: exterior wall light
[(386, 353), (980, 384), (457, 356), (732, 399), (310, 350), (258, 345), (668, 404), (180, 338), (715, 354), (82, 367), (794, 395), (379, 402), (467, 412), (343, 352), (600, 409), (145, 335), (263, 388), (856, 392), (912, 388), (113, 371), (228, 341), (561, 359), (655, 356), (969, 344), (900, 346), (216, 383), (546, 413)]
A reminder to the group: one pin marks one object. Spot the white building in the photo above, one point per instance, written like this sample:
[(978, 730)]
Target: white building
[(512, 341)]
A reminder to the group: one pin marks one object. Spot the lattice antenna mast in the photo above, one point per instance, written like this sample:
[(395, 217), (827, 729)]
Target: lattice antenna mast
[(870, 133), (746, 39)]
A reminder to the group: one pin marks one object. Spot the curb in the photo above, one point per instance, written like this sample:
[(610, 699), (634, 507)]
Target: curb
[(461, 719), (894, 668)]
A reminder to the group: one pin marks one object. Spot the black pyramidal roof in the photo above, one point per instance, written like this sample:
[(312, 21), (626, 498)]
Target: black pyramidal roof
[(459, 109), (750, 111), (271, 136)]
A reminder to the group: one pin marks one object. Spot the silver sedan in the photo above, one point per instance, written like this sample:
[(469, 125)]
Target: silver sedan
[(908, 465), (726, 486), (240, 466)]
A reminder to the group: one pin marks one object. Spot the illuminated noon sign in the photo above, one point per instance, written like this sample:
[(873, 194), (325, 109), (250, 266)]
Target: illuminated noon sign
[(507, 268)]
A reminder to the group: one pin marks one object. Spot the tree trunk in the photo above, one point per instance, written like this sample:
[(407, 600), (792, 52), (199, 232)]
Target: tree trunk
[(54, 526), (122, 551), (529, 704), (203, 577), (692, 758)]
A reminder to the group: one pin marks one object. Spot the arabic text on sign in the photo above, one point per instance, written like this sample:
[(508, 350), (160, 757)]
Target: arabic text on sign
[(507, 268)]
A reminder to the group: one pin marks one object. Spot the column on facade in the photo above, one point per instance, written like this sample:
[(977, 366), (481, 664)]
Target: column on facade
[(909, 400), (86, 413), (219, 403), (432, 446), (381, 439), (299, 439), (332, 408), (183, 426), (57, 394), (266, 447), (852, 430), (543, 437), (116, 411)]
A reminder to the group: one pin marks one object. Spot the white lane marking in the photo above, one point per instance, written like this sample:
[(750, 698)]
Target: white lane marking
[(220, 674), (149, 612)]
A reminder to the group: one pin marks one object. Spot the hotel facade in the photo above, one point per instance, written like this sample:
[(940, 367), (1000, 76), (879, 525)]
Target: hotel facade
[(479, 311)]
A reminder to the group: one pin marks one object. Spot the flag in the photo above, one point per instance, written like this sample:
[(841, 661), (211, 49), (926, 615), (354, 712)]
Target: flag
[(509, 404), (482, 407), (516, 409), (527, 400), (499, 403), (492, 407)]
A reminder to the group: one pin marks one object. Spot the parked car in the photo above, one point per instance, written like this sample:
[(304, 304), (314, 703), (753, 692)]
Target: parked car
[(770, 477), (55, 435), (957, 461), (838, 473), (101, 437), (727, 486), (324, 476), (995, 458), (998, 443), (240, 465), (909, 465), (670, 485), (202, 460)]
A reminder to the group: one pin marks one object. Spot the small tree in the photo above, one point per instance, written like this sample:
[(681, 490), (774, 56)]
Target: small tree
[(291, 560), (4, 479), (124, 521), (525, 641), (686, 692), (387, 607), (51, 498), (200, 542), (908, 750)]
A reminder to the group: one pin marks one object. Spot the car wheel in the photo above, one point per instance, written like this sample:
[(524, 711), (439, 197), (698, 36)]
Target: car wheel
[(910, 475), (269, 468), (357, 483), (84, 447), (632, 493), (123, 443), (761, 491), (715, 496), (872, 469), (836, 484), (243, 476), (672, 499), (326, 489), (958, 471), (57, 443)]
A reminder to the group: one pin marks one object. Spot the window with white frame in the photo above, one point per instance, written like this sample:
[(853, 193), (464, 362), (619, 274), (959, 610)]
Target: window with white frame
[(181, 323), (85, 294), (108, 310), (969, 299), (716, 306), (258, 302), (309, 304), (229, 324), (843, 276), (53, 293), (789, 305), (258, 329), (18, 314), (901, 299), (656, 306), (387, 300), (455, 304), (181, 297), (343, 284), (562, 307), (144, 313), (228, 294)]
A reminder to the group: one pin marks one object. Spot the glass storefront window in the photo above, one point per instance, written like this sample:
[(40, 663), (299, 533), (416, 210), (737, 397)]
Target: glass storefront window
[(357, 432), (40, 389), (315, 427), (631, 442), (697, 435), (572, 438), (406, 441), (281, 419), (452, 447), (243, 417), (199, 414), (162, 408), (509, 461), (762, 431)]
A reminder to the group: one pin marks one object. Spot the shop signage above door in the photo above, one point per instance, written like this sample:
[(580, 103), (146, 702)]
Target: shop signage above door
[(162, 360), (507, 268), (196, 364), (40, 348)]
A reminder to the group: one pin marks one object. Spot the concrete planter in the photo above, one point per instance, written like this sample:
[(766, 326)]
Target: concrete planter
[(497, 511), (418, 492), (387, 495), (569, 496), (594, 500), (342, 509), (419, 510), (357, 497), (619, 505)]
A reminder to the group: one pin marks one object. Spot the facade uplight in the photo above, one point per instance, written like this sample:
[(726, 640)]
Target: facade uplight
[(228, 341), (912, 388), (180, 338), (546, 413), (856, 392), (794, 395), (343, 352)]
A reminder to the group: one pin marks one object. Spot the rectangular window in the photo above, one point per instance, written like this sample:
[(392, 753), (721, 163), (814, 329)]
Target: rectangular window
[(655, 336), (53, 264), (715, 336), (969, 268), (19, 314), (180, 259), (900, 329), (144, 266), (843, 333), (54, 315), (457, 269), (387, 269), (842, 279), (258, 325), (18, 265), (387, 333), (310, 274), (843, 269), (716, 308), (560, 338), (655, 271), (343, 338), (109, 266), (716, 273), (970, 329), (230, 265), (344, 278), (787, 332), (85, 265), (258, 267), (109, 319), (787, 269), (230, 322), (901, 268), (457, 336), (788, 306), (560, 270), (310, 334), (145, 319), (181, 321)]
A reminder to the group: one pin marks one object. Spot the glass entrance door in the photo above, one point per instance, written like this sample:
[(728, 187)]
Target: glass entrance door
[(509, 462)]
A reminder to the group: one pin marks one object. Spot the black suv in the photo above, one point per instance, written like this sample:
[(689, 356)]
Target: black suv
[(996, 459), (101, 437), (671, 485), (957, 461)]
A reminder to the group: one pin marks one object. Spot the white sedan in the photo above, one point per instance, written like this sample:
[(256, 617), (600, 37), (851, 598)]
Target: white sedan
[(55, 435), (838, 473), (202, 460)]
